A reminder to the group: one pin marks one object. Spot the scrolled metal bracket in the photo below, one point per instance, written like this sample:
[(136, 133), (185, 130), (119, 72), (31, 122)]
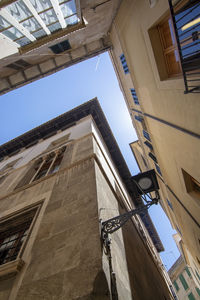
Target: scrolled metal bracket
[(113, 224)]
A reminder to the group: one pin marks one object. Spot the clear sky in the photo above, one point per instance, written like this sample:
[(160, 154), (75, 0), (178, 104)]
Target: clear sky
[(42, 100)]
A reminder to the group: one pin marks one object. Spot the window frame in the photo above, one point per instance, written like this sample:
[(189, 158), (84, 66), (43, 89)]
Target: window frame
[(14, 265)]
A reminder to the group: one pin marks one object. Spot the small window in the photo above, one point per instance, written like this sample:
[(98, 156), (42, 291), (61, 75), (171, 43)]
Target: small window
[(138, 118), (191, 297), (135, 98), (176, 285), (124, 64), (169, 204), (152, 156), (19, 65), (49, 164), (146, 135), (60, 47), (158, 169), (183, 281), (43, 166), (192, 184), (13, 233), (188, 271), (149, 145)]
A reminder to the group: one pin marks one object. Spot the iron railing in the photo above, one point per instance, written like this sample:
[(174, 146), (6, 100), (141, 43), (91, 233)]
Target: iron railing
[(185, 16)]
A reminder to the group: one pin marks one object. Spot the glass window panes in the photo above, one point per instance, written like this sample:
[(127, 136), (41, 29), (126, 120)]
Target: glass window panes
[(13, 33), (39, 33), (23, 41), (18, 10), (72, 20), (68, 8), (31, 24), (49, 17), (188, 271), (54, 27), (41, 5)]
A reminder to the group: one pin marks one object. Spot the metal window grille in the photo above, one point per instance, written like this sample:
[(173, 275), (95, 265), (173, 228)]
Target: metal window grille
[(135, 98), (13, 233), (124, 64), (185, 16)]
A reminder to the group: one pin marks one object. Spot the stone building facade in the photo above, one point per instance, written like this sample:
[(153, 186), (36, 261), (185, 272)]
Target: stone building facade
[(185, 282), (57, 181)]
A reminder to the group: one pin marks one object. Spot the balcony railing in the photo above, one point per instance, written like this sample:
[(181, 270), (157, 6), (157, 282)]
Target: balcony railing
[(186, 19)]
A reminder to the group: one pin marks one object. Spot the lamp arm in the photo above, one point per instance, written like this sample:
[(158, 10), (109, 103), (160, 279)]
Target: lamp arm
[(117, 222)]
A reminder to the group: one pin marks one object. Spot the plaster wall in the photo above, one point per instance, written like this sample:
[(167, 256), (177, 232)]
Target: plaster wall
[(175, 149)]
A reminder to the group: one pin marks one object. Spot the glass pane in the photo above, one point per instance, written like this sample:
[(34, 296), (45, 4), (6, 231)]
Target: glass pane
[(23, 41), (31, 24), (68, 9), (72, 20), (39, 33), (54, 27), (41, 5), (18, 10), (4, 23), (49, 17), (183, 281), (13, 33)]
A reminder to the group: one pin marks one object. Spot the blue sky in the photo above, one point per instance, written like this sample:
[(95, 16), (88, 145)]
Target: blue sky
[(42, 100)]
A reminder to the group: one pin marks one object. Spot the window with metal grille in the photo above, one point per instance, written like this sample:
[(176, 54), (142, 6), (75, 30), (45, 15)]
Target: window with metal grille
[(124, 64), (13, 233), (135, 98), (60, 47)]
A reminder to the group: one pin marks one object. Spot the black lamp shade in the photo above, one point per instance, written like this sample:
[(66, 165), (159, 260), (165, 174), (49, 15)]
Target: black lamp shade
[(146, 182)]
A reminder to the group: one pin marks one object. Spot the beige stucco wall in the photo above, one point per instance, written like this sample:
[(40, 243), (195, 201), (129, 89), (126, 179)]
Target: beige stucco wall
[(165, 99)]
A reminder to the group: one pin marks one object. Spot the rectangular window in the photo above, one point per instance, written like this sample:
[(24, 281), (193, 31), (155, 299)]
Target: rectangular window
[(139, 118), (183, 281), (169, 204), (148, 145), (176, 285), (169, 46), (135, 98), (191, 297), (13, 233), (124, 64), (192, 185), (153, 157), (146, 135), (158, 169), (188, 271)]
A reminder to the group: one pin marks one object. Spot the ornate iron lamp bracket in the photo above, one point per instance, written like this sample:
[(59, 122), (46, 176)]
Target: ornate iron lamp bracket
[(117, 222)]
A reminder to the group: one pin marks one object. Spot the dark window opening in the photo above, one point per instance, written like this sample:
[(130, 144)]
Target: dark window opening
[(60, 47), (19, 65)]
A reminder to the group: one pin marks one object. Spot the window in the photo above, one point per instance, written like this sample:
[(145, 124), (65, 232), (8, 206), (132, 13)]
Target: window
[(176, 285), (124, 64), (43, 166), (48, 164), (198, 291), (146, 135), (138, 118), (188, 271), (191, 297), (158, 169), (135, 98), (169, 47), (13, 233), (60, 47), (19, 65), (183, 281), (152, 156), (192, 185), (170, 205), (148, 145), (178, 229)]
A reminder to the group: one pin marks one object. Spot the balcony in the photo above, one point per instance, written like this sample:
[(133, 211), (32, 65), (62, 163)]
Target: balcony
[(186, 20)]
